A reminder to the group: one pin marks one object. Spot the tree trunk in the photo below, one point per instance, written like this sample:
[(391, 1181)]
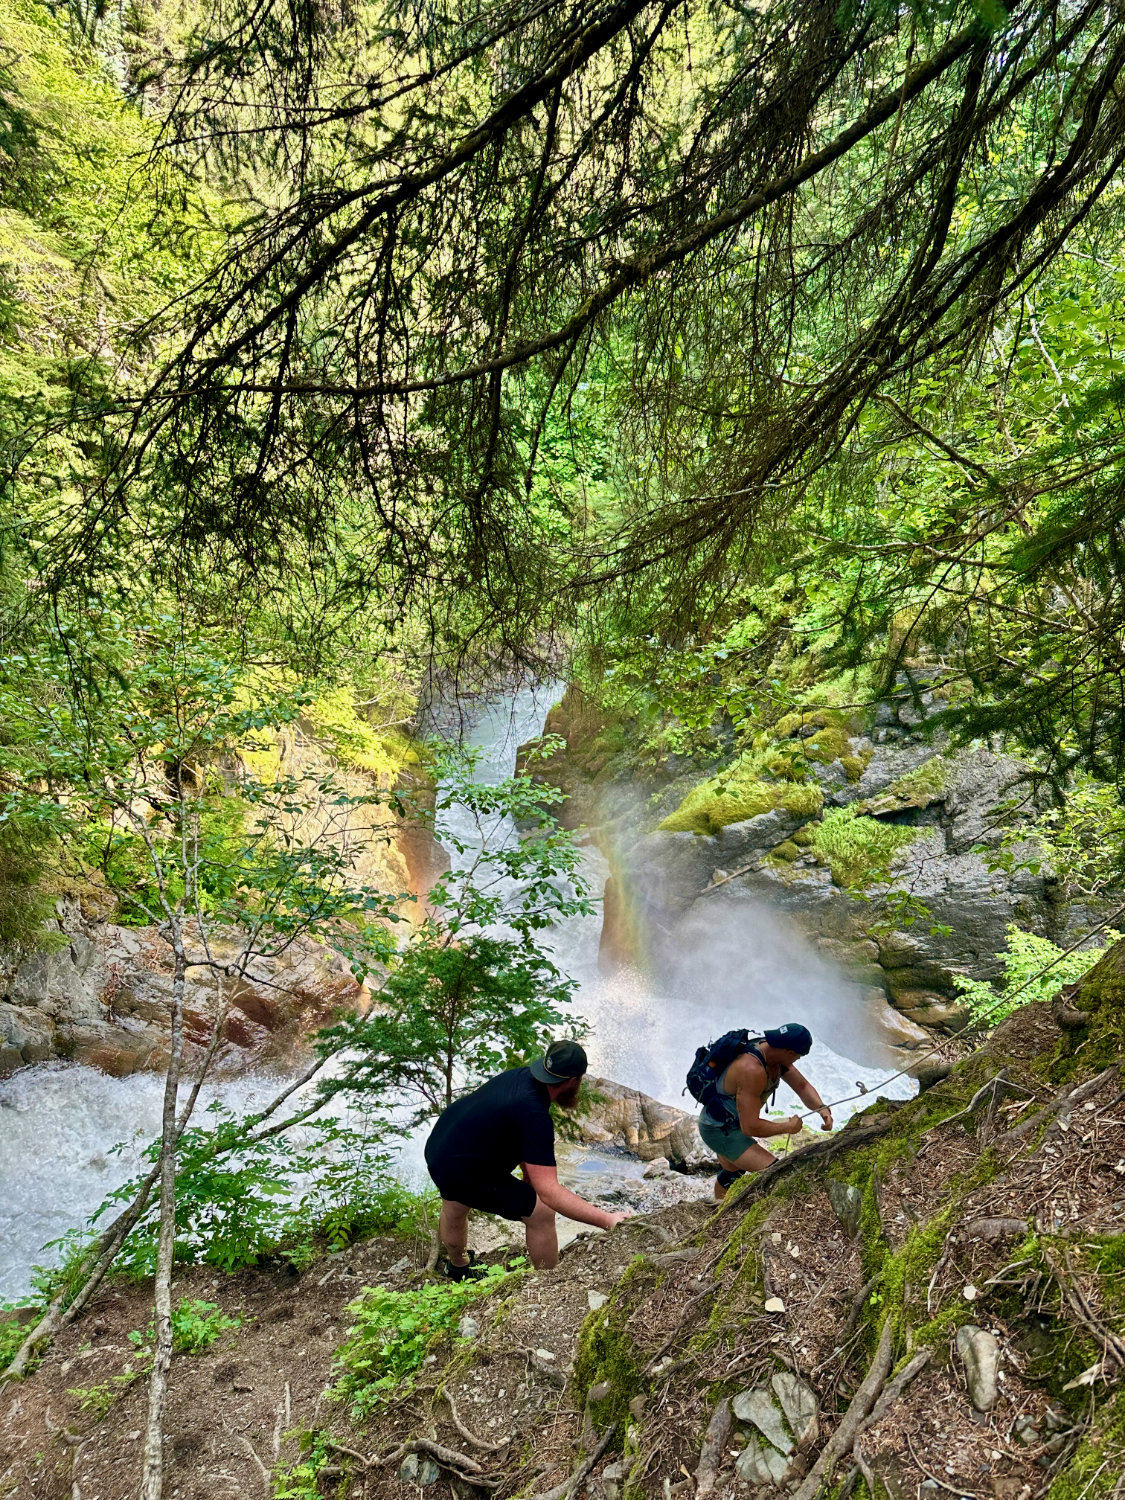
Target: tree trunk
[(152, 1479)]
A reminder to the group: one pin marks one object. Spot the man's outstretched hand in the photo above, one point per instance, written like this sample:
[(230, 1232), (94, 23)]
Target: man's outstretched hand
[(615, 1219)]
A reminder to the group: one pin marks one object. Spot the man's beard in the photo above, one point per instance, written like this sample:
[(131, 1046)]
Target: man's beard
[(568, 1097)]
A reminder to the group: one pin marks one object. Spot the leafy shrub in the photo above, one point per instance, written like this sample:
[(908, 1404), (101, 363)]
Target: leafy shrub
[(1024, 956), (95, 1400), (339, 725), (299, 1481), (858, 850), (1084, 838), (239, 1201), (11, 1337), (27, 848), (196, 1326), (126, 866), (393, 1333)]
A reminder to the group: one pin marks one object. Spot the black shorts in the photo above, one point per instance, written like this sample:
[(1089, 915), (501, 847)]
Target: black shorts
[(507, 1196)]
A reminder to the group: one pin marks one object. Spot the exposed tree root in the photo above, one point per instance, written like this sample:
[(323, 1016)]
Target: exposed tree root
[(688, 1317), (995, 1088), (840, 1443), (570, 1486), (858, 1303), (858, 1132), (676, 1257), (1066, 1098), (713, 1450), (469, 1437), (1065, 1015), (894, 1389), (1113, 1346)]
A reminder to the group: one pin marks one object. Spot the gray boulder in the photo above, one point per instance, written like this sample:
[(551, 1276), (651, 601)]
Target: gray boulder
[(641, 1125), (980, 1355), (847, 1203), (415, 1469), (799, 1403), (760, 1464), (759, 1409)]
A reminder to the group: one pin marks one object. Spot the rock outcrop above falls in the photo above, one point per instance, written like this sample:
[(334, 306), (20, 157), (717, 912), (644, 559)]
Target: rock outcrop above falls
[(964, 903), (783, 828)]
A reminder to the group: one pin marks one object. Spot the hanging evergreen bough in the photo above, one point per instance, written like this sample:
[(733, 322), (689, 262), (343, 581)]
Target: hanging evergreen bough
[(748, 222)]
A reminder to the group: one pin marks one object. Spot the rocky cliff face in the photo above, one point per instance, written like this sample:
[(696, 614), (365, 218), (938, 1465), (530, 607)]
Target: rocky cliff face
[(98, 993), (102, 998), (669, 879), (931, 819)]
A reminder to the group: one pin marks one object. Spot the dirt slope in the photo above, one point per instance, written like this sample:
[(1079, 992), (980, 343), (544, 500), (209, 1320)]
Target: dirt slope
[(918, 1220)]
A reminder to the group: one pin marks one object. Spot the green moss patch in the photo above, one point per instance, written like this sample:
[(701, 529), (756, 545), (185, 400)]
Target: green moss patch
[(923, 786), (606, 1354), (1095, 1469), (829, 739), (859, 850), (741, 792), (1101, 993)]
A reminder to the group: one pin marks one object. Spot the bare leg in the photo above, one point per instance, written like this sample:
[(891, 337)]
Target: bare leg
[(754, 1159), (453, 1226), (542, 1238)]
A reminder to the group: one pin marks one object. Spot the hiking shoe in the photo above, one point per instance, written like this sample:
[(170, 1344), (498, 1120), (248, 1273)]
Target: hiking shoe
[(469, 1272)]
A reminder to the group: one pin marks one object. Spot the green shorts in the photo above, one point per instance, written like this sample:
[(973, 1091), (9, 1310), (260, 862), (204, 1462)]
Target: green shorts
[(724, 1140)]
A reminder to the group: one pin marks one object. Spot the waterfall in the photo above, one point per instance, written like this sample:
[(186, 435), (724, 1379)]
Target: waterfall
[(747, 968), (59, 1123)]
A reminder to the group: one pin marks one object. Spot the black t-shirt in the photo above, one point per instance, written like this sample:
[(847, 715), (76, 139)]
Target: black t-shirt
[(492, 1130)]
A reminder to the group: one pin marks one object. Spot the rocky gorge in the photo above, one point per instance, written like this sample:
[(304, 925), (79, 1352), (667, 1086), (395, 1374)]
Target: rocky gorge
[(902, 861)]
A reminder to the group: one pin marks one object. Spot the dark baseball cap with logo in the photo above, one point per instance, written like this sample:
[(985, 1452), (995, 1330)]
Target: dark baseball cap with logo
[(561, 1062), (792, 1037)]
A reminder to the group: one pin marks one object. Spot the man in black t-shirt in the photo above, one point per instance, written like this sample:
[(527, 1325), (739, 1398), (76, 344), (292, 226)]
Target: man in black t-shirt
[(479, 1141)]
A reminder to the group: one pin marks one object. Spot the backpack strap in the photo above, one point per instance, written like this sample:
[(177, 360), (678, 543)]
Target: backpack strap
[(719, 1102), (771, 1082)]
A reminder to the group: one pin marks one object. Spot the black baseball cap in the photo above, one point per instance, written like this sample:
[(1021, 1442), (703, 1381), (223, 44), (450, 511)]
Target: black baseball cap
[(561, 1061), (792, 1037)]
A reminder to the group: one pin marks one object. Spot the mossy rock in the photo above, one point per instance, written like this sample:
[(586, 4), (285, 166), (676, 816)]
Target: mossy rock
[(1101, 994), (859, 850), (853, 766), (734, 798), (824, 735), (926, 785), (605, 1354), (787, 852)]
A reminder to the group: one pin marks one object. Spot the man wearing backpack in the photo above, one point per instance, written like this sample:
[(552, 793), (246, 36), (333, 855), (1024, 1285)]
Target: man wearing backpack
[(479, 1141), (734, 1079)]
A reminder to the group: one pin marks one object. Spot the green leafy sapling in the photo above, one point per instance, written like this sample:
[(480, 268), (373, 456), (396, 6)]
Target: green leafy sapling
[(474, 991)]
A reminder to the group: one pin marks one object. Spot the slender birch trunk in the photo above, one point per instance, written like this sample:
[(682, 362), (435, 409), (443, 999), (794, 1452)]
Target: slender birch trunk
[(152, 1476)]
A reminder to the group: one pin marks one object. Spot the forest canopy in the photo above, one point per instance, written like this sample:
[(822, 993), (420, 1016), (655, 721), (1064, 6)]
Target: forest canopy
[(482, 330)]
